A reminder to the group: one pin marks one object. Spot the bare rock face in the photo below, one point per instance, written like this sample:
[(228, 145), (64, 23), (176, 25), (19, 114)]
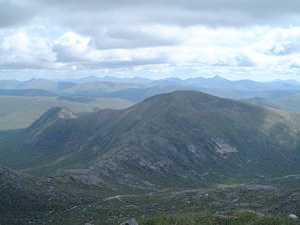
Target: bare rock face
[(130, 222), (65, 113), (293, 216)]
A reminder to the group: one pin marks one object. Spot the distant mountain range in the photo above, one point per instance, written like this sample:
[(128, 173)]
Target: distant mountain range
[(184, 138), (138, 89)]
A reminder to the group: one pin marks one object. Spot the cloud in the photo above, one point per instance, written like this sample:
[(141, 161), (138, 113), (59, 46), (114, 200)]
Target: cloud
[(19, 50), (280, 42), (14, 13), (71, 47), (94, 14), (178, 12), (144, 36), (198, 46), (134, 37)]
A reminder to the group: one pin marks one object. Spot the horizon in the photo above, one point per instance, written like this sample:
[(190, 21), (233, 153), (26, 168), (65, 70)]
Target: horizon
[(226, 72), (144, 78)]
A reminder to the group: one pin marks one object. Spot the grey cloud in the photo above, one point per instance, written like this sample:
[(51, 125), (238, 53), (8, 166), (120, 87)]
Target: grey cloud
[(283, 49), (213, 12), (24, 65), (95, 13), (114, 64), (130, 37), (244, 61), (113, 24), (65, 55), (254, 6), (12, 14)]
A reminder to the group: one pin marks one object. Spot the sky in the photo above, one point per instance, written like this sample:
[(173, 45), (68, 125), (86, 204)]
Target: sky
[(236, 39)]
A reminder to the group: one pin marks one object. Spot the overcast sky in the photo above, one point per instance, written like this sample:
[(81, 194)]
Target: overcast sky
[(237, 39)]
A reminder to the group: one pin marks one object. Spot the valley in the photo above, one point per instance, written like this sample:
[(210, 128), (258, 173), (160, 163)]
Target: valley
[(20, 111)]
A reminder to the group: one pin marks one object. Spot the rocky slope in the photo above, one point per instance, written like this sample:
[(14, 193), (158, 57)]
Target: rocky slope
[(25, 199)]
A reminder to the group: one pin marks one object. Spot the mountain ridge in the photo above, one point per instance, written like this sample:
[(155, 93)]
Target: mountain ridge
[(184, 137)]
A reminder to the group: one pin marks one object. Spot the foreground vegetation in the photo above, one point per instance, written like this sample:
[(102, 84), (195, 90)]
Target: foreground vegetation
[(235, 219)]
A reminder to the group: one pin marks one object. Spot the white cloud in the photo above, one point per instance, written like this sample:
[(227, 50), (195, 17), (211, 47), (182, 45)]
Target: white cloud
[(72, 47), (195, 47), (22, 50), (158, 35)]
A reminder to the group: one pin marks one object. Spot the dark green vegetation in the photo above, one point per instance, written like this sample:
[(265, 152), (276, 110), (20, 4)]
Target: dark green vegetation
[(31, 200), (62, 200), (236, 219), (187, 154)]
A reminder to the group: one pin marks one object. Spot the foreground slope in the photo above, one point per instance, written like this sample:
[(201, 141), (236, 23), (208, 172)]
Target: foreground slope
[(55, 201), (183, 138), (25, 199)]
